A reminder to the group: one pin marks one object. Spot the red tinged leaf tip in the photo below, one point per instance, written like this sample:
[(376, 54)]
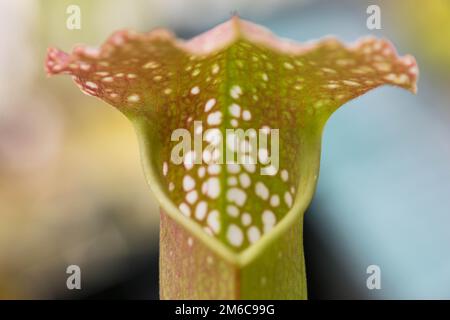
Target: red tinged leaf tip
[(126, 55)]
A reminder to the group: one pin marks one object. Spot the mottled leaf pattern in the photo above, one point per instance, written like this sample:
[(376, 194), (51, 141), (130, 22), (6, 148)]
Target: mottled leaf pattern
[(236, 75)]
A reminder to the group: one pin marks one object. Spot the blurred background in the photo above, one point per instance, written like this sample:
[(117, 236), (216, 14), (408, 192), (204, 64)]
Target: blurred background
[(72, 190)]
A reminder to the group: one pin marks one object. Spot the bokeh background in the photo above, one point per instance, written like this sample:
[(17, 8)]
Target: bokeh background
[(72, 190)]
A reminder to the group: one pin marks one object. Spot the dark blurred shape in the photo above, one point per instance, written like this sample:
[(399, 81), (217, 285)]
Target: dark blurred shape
[(327, 276)]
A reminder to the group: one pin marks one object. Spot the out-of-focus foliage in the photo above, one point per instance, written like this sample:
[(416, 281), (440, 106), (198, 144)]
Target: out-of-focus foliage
[(426, 26)]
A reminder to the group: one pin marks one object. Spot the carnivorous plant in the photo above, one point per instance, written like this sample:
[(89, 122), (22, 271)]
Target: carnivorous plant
[(230, 126)]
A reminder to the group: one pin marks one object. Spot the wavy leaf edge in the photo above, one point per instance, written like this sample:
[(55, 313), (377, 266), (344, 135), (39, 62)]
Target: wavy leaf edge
[(207, 43)]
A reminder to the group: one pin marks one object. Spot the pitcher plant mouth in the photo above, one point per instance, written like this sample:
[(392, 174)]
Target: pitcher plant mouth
[(242, 258), (235, 90)]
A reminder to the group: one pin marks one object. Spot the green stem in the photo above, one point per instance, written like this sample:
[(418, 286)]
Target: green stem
[(191, 270)]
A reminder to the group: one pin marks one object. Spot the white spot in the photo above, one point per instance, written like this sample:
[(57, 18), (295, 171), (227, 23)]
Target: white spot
[(275, 200), (215, 68), (207, 156), (414, 70), (200, 210), (234, 235), (233, 168), (265, 130), (184, 208), (263, 155), (165, 168), (328, 70), (150, 65), (253, 234), (189, 159), (201, 172), (235, 91), (133, 98), (231, 140), (233, 210), (199, 129), (268, 217), (213, 221), (331, 86), (83, 66), (250, 167), (232, 181), (270, 170), (237, 196), (246, 115), (246, 219), (265, 77), (284, 175), (108, 79), (234, 123), (382, 66), (167, 91), (252, 134), (188, 183), (261, 190), (244, 179), (213, 136), (190, 242), (171, 186), (213, 185), (288, 199), (289, 66), (214, 118), (210, 104), (350, 83), (195, 90), (398, 79), (235, 110), (214, 169), (191, 196)]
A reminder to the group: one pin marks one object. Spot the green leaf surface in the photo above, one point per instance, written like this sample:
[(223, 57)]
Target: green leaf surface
[(231, 228)]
